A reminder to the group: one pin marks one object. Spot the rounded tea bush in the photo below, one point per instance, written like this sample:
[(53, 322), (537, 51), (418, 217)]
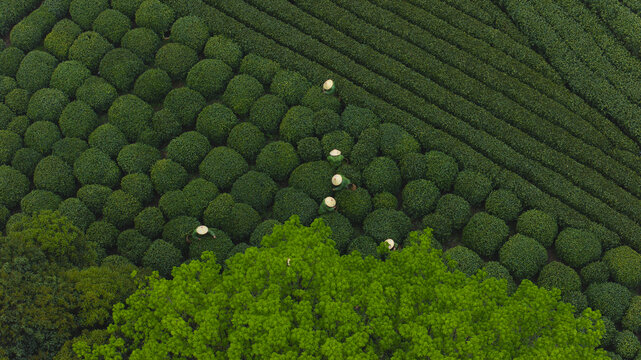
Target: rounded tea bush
[(267, 112), (523, 256), (610, 298), (85, 12), (259, 67), (162, 257), (577, 247), (131, 115), (624, 263), (468, 262), (538, 225), (173, 204), (241, 92), (166, 124), (69, 149), (454, 207), (112, 25), (132, 245), (69, 76), (419, 198), (55, 175), (472, 186), (632, 318), (186, 104), (61, 37), (14, 185), (337, 139), (189, 149), (608, 238), (209, 77), (496, 270), (595, 272), (95, 167), (413, 166), (39, 200), (7, 84), (139, 186), (385, 200), (220, 246), (365, 245), (150, 222), (560, 276), (121, 208), (382, 224), (277, 159), (102, 233), (77, 120), (297, 124), (290, 201), (396, 142), (77, 212), (29, 32), (313, 178), (10, 59), (97, 93), (46, 105), (355, 119), (121, 67), (89, 48), (94, 196), (199, 192), (342, 229), (354, 205), (143, 42), (41, 135), (167, 175), (10, 142), (309, 149), (224, 49), (326, 121), (16, 102), (107, 138), (382, 175), (485, 234), (626, 344), (441, 226), (222, 166), (236, 219), (263, 229), (190, 31), (316, 100), (503, 204), (290, 86), (19, 125), (137, 158), (127, 7), (215, 121), (155, 15), (25, 160), (256, 189), (177, 230), (176, 60)]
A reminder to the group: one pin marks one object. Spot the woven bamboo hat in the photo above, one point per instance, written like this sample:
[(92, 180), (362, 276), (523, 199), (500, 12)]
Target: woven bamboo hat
[(328, 84), (390, 243), (330, 201), (335, 152), (337, 180), (202, 230)]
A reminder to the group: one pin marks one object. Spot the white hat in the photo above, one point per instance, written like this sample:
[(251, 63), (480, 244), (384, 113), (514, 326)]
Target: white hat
[(390, 242), (335, 152), (330, 201), (288, 259), (328, 84), (337, 180), (202, 230)]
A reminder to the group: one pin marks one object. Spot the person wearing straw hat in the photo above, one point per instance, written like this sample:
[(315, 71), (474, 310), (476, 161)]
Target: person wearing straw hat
[(200, 232), (340, 182), (327, 205), (391, 245), (328, 87), (335, 158)]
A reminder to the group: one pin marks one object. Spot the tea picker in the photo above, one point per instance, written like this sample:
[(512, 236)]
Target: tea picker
[(199, 233), (327, 205), (328, 87), (340, 182), (335, 158), (391, 245)]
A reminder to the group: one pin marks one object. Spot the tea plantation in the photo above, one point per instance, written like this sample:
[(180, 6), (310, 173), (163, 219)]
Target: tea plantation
[(505, 134)]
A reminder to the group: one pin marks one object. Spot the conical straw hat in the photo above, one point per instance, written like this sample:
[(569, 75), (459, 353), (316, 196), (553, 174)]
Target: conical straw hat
[(335, 152), (390, 242), (330, 201), (328, 84), (337, 180), (202, 230)]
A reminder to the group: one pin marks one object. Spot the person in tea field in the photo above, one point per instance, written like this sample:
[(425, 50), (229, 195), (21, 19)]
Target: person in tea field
[(335, 158), (199, 233), (391, 244), (327, 205), (340, 182), (328, 87)]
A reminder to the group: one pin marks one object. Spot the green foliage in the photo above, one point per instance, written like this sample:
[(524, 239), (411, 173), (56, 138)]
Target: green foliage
[(69, 149), (4, 216), (19, 126), (132, 245), (313, 178), (413, 166), (337, 139), (7, 84), (166, 124), (121, 208), (384, 200), (236, 219), (354, 205), (190, 31), (247, 139), (162, 257), (262, 69), (290, 86), (467, 261), (173, 204), (355, 119), (297, 124), (209, 77), (185, 103), (577, 299), (326, 121), (396, 142), (267, 112), (419, 198), (224, 49), (95, 167), (222, 166), (139, 186), (61, 37), (472, 186), (89, 48), (116, 260), (485, 234), (365, 245), (316, 100), (632, 318), (189, 149), (577, 247), (455, 208), (14, 185), (496, 270), (30, 31), (167, 175), (441, 226), (291, 201), (152, 86), (149, 222), (263, 229), (59, 8), (309, 149), (624, 265), (137, 158), (220, 247), (538, 225), (610, 331), (143, 42), (39, 200), (610, 298), (16, 101), (241, 92), (54, 174), (155, 15), (10, 142), (94, 196), (176, 231), (607, 238), (382, 175), (84, 12), (35, 70), (77, 120), (503, 204), (76, 212), (97, 92), (41, 135), (121, 67), (256, 189), (523, 256), (131, 115), (10, 59), (382, 224), (199, 192), (108, 139), (360, 277), (595, 272), (102, 233), (626, 344), (342, 229), (127, 7), (46, 105), (560, 276), (215, 121), (175, 59), (112, 25)]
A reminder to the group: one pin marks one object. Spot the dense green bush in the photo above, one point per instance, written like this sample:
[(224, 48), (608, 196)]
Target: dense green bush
[(496, 270), (199, 192), (365, 245), (173, 204), (10, 142), (76, 212), (608, 238), (7, 84), (121, 208), (337, 139), (94, 196), (354, 205), (467, 260), (241, 92), (237, 249), (523, 256), (69, 149), (577, 299), (382, 175), (189, 149), (102, 233), (84, 12), (177, 230), (632, 318), (127, 7), (236, 219), (325, 121), (291, 86), (155, 15), (610, 331), (363, 153), (224, 49), (247, 139), (121, 67), (222, 166), (10, 59), (413, 166), (176, 60), (166, 124), (139, 186), (291, 201), (316, 100), (384, 200), (30, 31), (314, 179), (538, 225), (41, 135), (95, 167), (15, 103), (131, 115), (595, 272), (267, 112), (485, 234), (560, 276), (261, 68), (215, 121), (264, 228), (626, 344), (454, 207), (624, 265), (342, 229), (256, 189), (143, 42), (503, 204), (107, 138), (220, 246), (396, 142), (152, 86), (19, 125), (97, 92), (419, 198), (132, 245), (89, 48), (35, 70), (46, 105), (150, 222), (61, 37), (112, 25), (190, 31), (14, 185), (610, 298), (209, 77), (309, 149), (472, 186), (382, 224), (162, 257), (441, 226), (277, 159), (167, 175), (577, 247), (25, 160), (39, 200), (115, 260), (55, 175), (77, 120), (355, 119), (186, 104)]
